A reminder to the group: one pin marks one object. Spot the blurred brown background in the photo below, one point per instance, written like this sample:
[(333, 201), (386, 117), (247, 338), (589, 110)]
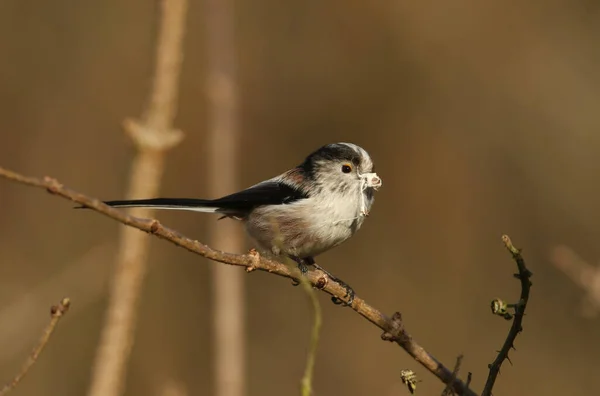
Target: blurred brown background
[(482, 118)]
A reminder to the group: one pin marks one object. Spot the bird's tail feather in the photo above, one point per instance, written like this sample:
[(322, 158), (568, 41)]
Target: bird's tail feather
[(195, 205)]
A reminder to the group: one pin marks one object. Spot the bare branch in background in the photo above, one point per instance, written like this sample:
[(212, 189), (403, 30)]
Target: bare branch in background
[(56, 312), (524, 276), (251, 262), (229, 311), (173, 388), (583, 274), (152, 136)]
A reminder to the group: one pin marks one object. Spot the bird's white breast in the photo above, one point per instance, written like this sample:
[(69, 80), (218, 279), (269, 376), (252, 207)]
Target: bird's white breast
[(306, 227)]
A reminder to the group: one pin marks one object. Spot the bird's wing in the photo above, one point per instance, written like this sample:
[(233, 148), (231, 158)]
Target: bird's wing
[(270, 192)]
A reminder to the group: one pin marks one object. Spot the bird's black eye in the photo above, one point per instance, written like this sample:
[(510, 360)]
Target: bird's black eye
[(346, 168)]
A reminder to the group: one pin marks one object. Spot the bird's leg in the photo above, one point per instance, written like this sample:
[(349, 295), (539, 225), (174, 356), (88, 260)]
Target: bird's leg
[(303, 264), (349, 291)]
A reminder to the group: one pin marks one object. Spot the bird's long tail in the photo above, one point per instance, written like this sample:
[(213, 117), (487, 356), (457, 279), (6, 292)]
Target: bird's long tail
[(191, 204)]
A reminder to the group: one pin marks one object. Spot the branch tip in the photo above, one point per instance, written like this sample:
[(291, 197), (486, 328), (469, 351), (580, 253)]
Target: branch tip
[(61, 308), (57, 312), (509, 245), (469, 377)]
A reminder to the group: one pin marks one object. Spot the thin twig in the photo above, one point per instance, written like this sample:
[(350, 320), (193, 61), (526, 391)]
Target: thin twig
[(173, 388), (448, 390), (152, 136), (469, 378), (251, 262), (307, 379), (524, 276), (56, 313)]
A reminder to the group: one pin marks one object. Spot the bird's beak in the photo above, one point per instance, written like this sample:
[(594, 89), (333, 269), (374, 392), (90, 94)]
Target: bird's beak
[(372, 180)]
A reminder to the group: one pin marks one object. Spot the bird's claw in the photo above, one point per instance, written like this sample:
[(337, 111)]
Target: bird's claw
[(303, 267), (350, 294), (303, 271), (349, 291)]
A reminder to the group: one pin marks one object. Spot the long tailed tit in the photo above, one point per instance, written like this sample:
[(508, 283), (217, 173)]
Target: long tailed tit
[(301, 213)]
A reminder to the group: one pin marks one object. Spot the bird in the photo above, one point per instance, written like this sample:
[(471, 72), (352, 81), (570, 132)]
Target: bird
[(301, 213)]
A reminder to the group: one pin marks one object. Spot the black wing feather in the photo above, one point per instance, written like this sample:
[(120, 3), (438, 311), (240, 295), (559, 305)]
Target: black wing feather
[(236, 204), (163, 202), (265, 193)]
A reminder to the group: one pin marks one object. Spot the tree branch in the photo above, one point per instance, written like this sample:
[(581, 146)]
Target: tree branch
[(56, 312), (153, 135), (393, 328), (524, 276)]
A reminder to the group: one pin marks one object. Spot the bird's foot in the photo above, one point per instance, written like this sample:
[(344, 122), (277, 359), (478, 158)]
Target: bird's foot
[(350, 294), (302, 266)]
